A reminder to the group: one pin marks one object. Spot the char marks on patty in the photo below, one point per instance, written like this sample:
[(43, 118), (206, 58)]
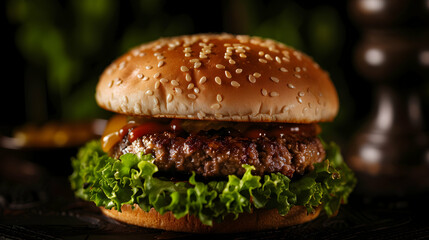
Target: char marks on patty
[(218, 153)]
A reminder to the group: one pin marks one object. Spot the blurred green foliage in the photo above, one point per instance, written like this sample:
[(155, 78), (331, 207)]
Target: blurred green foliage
[(69, 43)]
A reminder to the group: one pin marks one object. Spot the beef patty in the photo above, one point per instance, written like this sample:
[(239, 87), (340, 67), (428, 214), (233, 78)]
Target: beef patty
[(219, 153)]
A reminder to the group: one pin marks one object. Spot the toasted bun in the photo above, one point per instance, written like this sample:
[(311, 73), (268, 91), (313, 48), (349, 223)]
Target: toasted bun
[(218, 77), (246, 222)]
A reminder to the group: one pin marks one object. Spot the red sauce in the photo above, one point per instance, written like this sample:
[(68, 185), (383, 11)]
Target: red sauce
[(136, 130), (147, 128)]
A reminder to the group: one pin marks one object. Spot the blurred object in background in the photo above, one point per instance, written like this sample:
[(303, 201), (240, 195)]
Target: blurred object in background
[(54, 134), (45, 147), (391, 152)]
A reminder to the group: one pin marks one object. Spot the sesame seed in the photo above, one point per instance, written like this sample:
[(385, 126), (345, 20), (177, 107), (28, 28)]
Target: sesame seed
[(220, 66), (157, 84), (235, 84), (160, 57), (190, 85), (174, 83), (110, 84), (228, 74), (297, 69), (202, 55), (305, 109), (297, 75), (188, 77), (149, 92), (268, 57), (194, 60), (252, 79), (197, 64), (240, 50), (178, 90), (304, 69), (274, 94), (274, 79), (218, 80), (201, 114), (215, 106), (290, 85), (192, 96), (242, 55), (231, 61), (156, 75), (283, 69), (157, 54), (118, 81), (187, 50), (196, 90), (169, 97), (145, 78), (203, 80), (184, 69), (238, 70), (218, 115), (122, 65), (164, 80), (285, 53), (219, 98), (261, 53), (297, 55), (142, 54), (140, 75), (301, 94), (264, 92), (299, 99), (262, 60), (187, 54), (285, 59), (257, 75), (278, 59), (148, 67)]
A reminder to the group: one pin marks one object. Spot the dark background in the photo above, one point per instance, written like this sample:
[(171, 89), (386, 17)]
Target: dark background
[(56, 50)]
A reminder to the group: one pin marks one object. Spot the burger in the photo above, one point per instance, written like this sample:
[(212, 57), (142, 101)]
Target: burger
[(214, 133)]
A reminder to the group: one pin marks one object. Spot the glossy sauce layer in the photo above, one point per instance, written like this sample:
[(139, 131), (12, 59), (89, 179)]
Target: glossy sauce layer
[(120, 125)]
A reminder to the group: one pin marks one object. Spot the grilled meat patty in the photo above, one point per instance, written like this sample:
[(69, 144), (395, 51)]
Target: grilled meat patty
[(222, 152)]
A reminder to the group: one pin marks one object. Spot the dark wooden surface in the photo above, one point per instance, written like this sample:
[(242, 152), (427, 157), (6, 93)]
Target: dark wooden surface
[(37, 203)]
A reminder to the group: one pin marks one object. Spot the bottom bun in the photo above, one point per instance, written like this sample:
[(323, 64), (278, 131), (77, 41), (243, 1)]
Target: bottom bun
[(260, 219)]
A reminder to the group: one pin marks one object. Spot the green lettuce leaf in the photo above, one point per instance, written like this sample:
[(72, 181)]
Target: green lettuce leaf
[(112, 183)]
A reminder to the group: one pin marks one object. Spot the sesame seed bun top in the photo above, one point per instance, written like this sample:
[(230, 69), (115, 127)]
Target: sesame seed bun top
[(218, 77)]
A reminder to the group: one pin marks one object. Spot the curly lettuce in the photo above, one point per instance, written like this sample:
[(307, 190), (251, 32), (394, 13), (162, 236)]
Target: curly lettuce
[(110, 182)]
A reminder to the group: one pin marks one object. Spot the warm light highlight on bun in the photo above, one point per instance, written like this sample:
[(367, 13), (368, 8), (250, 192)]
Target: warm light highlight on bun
[(218, 77)]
